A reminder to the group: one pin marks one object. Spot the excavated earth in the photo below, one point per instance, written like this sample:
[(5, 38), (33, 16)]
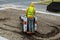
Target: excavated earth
[(10, 28)]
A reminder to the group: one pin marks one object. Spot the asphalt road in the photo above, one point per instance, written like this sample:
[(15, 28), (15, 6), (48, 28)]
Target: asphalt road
[(10, 28)]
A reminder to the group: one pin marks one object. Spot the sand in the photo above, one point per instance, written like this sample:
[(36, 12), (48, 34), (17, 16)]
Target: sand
[(10, 28)]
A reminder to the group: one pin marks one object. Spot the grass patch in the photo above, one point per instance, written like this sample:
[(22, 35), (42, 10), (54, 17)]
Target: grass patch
[(47, 2)]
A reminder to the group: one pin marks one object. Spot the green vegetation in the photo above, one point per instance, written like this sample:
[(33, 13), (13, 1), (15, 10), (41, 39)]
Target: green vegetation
[(45, 2), (48, 1), (56, 0)]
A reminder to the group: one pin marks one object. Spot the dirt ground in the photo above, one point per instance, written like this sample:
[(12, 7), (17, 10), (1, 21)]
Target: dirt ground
[(10, 28)]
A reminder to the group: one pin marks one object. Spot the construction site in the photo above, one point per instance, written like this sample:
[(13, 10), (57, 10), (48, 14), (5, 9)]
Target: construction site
[(10, 28)]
